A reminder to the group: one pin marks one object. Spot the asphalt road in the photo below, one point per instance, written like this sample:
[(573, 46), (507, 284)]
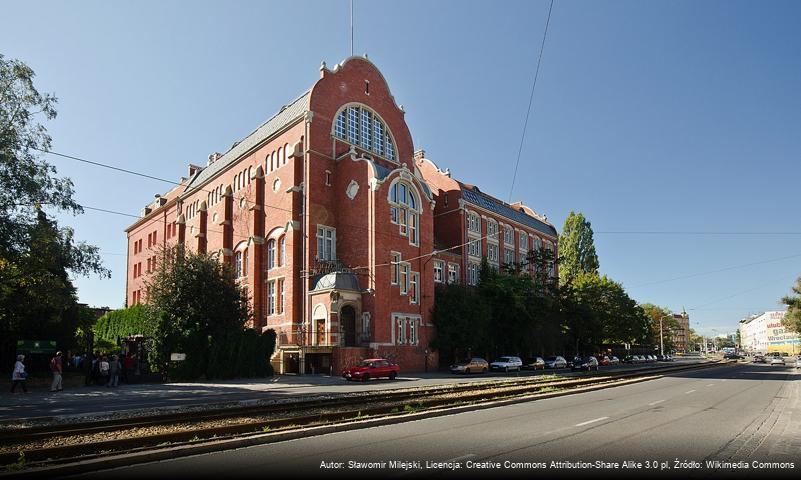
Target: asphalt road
[(82, 401), (740, 413)]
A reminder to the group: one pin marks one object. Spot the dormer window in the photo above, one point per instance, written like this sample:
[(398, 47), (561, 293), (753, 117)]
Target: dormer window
[(360, 126)]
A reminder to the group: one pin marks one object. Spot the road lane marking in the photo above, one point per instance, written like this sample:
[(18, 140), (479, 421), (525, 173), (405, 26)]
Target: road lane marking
[(710, 385), (590, 421), (654, 403), (691, 391)]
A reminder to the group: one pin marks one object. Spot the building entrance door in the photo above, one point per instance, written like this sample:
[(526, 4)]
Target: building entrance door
[(347, 325)]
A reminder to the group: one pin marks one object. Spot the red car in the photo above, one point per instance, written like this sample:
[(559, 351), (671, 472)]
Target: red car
[(371, 368), (603, 360)]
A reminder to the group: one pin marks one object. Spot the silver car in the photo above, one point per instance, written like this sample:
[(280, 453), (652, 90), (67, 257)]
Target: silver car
[(555, 362)]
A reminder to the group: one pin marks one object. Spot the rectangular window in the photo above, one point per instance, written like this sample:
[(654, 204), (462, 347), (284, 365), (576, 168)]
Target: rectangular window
[(413, 228), (245, 263), (412, 331), (378, 136), (508, 255), (404, 278), (271, 298), (395, 259), (400, 323), (353, 125), (280, 296), (414, 288), (393, 214), (327, 178), (492, 252), (402, 222), (453, 273), (473, 273), (523, 241), (508, 236), (367, 123), (339, 127), (326, 243), (474, 248), (438, 271)]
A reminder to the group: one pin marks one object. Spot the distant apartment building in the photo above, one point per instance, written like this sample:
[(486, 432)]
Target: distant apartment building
[(765, 333), (681, 334)]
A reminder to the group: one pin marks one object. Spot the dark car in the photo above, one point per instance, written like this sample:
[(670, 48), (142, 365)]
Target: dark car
[(733, 356), (584, 363), (371, 368), (759, 358), (534, 363)]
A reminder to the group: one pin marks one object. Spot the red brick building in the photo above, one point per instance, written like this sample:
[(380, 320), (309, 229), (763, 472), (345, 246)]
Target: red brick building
[(327, 217)]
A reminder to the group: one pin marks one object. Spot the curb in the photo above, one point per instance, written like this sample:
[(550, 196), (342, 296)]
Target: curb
[(167, 453)]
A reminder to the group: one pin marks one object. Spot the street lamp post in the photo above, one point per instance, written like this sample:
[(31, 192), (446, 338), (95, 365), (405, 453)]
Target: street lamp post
[(661, 335)]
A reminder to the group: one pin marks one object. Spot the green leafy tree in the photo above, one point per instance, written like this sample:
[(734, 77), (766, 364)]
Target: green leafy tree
[(792, 319), (37, 299), (196, 308), (123, 323), (669, 325), (462, 321), (576, 248)]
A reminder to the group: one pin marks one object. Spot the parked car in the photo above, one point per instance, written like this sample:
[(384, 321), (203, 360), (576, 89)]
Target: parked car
[(534, 363), (733, 356), (555, 362), (759, 358), (473, 365), (777, 360), (584, 363), (507, 364), (650, 358), (639, 359), (604, 360), (372, 368), (613, 360)]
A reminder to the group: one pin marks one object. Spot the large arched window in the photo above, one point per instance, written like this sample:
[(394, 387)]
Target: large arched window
[(358, 125), (403, 204), (282, 251)]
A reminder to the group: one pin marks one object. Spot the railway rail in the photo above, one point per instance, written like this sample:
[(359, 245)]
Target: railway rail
[(56, 444)]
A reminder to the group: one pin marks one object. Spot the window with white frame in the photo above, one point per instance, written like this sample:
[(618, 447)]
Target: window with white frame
[(237, 265), (361, 126), (282, 251), (474, 248), (492, 253), (395, 259), (473, 271), (270, 254), (492, 231), (453, 273), (414, 288), (400, 325), (413, 340), (326, 243), (508, 256), (403, 210), (271, 298), (508, 235), (404, 278), (523, 242), (536, 243), (439, 274), (281, 296), (473, 222)]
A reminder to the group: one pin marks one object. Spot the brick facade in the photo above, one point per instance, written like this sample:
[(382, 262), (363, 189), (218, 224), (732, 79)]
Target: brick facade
[(329, 218)]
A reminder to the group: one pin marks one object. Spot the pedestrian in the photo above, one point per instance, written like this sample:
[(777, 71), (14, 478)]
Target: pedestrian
[(57, 368), (114, 372), (19, 375), (104, 369)]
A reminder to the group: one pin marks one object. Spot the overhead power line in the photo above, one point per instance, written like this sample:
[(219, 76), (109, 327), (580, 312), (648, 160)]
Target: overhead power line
[(530, 100)]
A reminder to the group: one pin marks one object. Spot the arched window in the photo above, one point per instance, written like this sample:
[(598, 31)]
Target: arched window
[(280, 156), (270, 254), (286, 148), (250, 174), (273, 158), (361, 126), (282, 251), (403, 210)]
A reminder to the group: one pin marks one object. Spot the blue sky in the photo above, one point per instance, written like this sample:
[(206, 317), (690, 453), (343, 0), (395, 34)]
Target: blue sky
[(648, 116)]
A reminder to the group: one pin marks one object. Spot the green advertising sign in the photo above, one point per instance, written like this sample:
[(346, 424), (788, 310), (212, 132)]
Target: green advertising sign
[(36, 346)]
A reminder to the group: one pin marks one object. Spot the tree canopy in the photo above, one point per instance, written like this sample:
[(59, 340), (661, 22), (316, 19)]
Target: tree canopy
[(37, 298), (576, 248), (792, 319)]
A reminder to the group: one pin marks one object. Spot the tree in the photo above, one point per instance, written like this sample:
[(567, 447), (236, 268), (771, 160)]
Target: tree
[(667, 322), (576, 248), (196, 308), (792, 319), (37, 299)]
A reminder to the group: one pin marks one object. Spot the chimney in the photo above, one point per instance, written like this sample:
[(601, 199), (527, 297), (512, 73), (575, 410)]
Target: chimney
[(193, 169), (419, 154), (213, 157)]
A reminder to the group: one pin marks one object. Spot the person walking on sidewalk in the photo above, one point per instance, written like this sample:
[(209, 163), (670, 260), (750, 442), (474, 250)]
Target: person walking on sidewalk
[(19, 375), (114, 371), (57, 369)]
